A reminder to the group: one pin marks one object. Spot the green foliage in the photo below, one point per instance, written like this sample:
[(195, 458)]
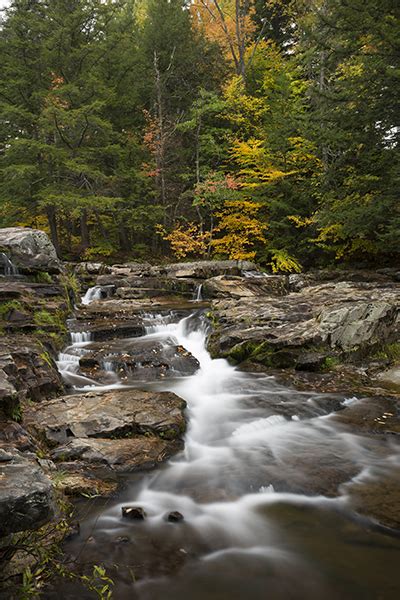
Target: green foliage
[(119, 117), (44, 318), (389, 352), (7, 307), (281, 262), (43, 277), (330, 362)]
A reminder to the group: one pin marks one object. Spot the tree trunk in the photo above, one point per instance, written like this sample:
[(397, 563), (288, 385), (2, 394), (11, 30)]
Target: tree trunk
[(52, 219), (160, 155), (85, 238)]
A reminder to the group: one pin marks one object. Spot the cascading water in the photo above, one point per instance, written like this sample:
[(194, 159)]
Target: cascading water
[(68, 360), (7, 267), (94, 293), (253, 527), (197, 295)]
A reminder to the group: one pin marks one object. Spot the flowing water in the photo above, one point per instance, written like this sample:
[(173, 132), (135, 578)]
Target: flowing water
[(256, 485), (7, 267)]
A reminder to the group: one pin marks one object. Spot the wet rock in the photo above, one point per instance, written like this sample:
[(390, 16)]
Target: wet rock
[(105, 415), (29, 249), (390, 378), (90, 268), (279, 332), (106, 329), (25, 495), (377, 496), (13, 435), (137, 359), (134, 513), (101, 456), (362, 323), (310, 361), (298, 281), (80, 484), (225, 286), (174, 517), (26, 370), (205, 269), (5, 456), (372, 415)]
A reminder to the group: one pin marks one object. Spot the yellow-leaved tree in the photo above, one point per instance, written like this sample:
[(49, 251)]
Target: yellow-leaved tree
[(240, 229)]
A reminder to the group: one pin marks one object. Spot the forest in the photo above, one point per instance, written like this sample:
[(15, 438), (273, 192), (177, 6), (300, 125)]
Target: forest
[(241, 129)]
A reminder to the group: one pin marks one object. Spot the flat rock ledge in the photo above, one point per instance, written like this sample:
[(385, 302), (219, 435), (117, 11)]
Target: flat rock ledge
[(102, 435), (303, 329)]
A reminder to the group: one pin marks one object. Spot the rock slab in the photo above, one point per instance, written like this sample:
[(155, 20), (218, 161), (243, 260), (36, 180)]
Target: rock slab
[(25, 494), (30, 250)]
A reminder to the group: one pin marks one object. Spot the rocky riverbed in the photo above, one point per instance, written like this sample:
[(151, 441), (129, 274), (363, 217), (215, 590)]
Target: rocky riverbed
[(94, 361)]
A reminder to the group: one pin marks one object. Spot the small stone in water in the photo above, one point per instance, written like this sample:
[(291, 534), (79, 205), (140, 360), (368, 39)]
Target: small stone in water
[(174, 517), (122, 540), (134, 512)]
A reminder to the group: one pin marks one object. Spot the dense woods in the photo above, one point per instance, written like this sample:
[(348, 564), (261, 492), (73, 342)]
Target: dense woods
[(264, 129)]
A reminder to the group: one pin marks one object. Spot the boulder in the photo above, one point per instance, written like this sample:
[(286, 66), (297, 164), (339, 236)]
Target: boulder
[(137, 359), (100, 435), (102, 455), (25, 494), (204, 269), (229, 286), (114, 414), (30, 250), (303, 328), (135, 513), (26, 371)]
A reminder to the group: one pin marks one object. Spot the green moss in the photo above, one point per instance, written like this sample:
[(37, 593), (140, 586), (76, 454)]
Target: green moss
[(7, 307), (330, 362), (44, 318), (71, 286), (43, 277), (255, 350)]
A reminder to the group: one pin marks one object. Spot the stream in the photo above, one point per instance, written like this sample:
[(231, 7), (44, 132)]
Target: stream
[(256, 485)]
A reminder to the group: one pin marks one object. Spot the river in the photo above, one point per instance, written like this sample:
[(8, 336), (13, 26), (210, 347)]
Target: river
[(256, 485)]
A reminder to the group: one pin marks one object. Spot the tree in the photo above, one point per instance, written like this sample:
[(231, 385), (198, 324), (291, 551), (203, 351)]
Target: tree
[(355, 99), (230, 23)]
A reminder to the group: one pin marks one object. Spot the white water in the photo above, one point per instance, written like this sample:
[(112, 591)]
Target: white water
[(68, 360), (9, 269), (247, 438), (228, 446), (92, 294), (197, 295)]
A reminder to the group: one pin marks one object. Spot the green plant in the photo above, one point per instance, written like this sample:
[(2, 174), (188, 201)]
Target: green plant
[(44, 318), (7, 307), (330, 362), (47, 358), (43, 277), (281, 261), (388, 352), (99, 583), (41, 553)]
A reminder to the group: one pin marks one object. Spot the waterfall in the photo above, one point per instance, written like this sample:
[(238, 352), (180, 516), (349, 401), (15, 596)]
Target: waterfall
[(8, 267), (92, 294), (254, 274), (197, 295), (81, 337)]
